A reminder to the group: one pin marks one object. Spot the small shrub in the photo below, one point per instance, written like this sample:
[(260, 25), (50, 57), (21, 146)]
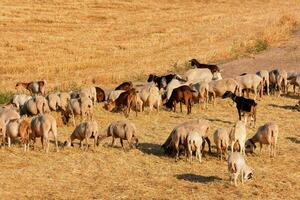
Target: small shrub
[(5, 97), (259, 45)]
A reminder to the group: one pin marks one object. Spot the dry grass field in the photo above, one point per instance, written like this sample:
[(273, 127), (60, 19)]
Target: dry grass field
[(76, 43), (73, 43)]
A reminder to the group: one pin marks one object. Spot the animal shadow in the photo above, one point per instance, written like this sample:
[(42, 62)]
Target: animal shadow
[(291, 96), (149, 148), (197, 178), (294, 139), (283, 107), (219, 120)]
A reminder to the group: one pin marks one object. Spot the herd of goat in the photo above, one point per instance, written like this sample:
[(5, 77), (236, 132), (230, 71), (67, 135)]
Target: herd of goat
[(202, 85)]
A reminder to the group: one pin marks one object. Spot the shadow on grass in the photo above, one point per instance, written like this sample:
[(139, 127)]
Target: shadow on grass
[(287, 107), (294, 139), (219, 120), (197, 178), (291, 96), (149, 148)]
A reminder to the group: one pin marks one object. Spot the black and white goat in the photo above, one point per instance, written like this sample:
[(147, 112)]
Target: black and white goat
[(245, 107)]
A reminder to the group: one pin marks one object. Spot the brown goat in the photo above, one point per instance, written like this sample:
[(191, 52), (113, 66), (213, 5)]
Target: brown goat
[(34, 87), (24, 131), (123, 102), (182, 94), (100, 94), (125, 86)]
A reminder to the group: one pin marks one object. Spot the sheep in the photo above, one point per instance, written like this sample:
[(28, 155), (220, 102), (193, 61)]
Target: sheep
[(177, 137), (19, 100), (194, 143), (278, 80), (18, 128), (9, 114), (182, 94), (247, 107), (264, 74), (221, 139), (89, 92), (54, 101), (42, 126), (124, 86), (124, 130), (36, 105), (238, 134), (236, 166), (266, 134), (35, 87), (250, 81), (295, 81), (81, 106), (84, 131), (64, 99), (149, 94)]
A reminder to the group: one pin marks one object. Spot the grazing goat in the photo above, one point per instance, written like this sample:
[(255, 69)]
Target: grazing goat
[(123, 102), (295, 82), (264, 74), (124, 130), (266, 134), (250, 82), (221, 139), (236, 166), (163, 81), (182, 94), (89, 92), (150, 96), (177, 138), (64, 100), (84, 131), (42, 126), (243, 105), (202, 93), (212, 68), (125, 86), (8, 114), (100, 94), (18, 128), (194, 142), (113, 95), (53, 101), (35, 87), (278, 80), (238, 134), (81, 106), (19, 100)]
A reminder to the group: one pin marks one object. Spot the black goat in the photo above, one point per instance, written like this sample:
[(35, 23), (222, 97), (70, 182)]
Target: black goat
[(212, 68), (162, 81), (243, 105)]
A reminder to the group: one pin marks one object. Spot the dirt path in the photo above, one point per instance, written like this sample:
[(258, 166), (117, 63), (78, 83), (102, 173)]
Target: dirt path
[(286, 55)]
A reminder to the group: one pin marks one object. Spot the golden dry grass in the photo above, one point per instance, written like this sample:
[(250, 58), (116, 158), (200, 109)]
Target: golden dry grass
[(145, 173), (73, 43)]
